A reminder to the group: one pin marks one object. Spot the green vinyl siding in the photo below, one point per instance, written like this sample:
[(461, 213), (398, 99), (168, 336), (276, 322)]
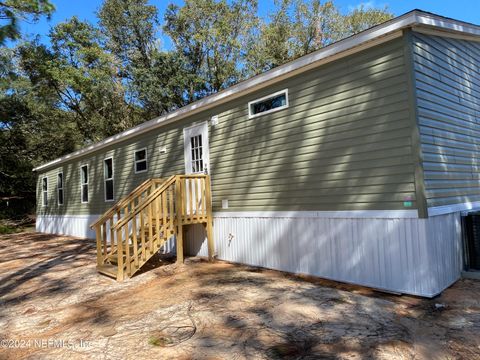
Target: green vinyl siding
[(344, 143), (447, 76)]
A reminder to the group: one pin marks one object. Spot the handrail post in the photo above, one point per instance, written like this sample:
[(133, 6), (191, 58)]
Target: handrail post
[(150, 228), (98, 234), (128, 263), (104, 239), (178, 209), (112, 237), (119, 255), (210, 242)]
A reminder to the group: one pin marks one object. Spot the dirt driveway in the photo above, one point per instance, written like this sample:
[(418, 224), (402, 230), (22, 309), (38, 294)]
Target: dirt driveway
[(53, 304)]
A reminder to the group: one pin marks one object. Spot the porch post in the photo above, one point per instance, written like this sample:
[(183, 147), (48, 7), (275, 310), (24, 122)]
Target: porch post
[(179, 210), (209, 225)]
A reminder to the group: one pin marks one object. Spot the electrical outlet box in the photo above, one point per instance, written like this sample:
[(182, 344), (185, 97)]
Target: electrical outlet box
[(214, 120), (224, 203)]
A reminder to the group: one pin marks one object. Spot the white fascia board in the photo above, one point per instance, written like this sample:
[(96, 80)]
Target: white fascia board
[(368, 38), (430, 31), (347, 214), (446, 24)]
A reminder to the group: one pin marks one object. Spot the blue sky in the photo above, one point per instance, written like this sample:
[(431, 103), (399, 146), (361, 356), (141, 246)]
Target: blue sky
[(466, 10)]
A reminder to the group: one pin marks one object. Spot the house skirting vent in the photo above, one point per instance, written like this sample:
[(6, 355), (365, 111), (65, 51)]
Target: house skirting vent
[(471, 225)]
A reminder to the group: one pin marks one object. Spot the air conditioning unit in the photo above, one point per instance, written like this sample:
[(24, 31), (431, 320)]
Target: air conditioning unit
[(471, 235)]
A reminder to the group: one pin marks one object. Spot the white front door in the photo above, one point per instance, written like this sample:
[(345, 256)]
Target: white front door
[(196, 162), (196, 149)]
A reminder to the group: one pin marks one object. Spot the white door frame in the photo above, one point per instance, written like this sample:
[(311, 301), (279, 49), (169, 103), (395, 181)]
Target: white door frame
[(194, 130)]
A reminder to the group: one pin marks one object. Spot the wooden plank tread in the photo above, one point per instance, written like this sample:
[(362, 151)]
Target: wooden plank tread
[(109, 270)]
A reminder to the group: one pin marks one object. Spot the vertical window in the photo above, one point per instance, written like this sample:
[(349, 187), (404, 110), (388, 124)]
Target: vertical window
[(60, 188), (141, 161), (268, 104), (45, 191), (84, 183), (197, 153), (108, 177)]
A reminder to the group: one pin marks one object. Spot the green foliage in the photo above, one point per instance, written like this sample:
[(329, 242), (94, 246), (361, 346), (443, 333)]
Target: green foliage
[(26, 122), (300, 27), (92, 81), (361, 19), (210, 36), (129, 27), (5, 229), (11, 11), (87, 81), (153, 80)]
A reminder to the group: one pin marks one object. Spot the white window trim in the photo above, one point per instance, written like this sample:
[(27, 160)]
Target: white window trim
[(284, 91), (81, 185), (135, 160), (58, 189), (105, 181), (44, 203)]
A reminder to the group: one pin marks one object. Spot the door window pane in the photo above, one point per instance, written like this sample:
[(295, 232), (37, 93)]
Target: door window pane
[(197, 153)]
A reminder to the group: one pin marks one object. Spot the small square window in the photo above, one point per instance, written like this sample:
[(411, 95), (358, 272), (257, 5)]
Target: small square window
[(141, 161)]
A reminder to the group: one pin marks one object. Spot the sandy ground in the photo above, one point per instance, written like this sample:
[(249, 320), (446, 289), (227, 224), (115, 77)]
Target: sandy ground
[(53, 305)]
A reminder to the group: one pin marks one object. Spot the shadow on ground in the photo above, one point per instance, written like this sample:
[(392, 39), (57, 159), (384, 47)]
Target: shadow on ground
[(49, 290)]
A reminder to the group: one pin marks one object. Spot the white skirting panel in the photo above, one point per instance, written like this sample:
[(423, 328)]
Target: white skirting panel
[(405, 255), (74, 225), (79, 225)]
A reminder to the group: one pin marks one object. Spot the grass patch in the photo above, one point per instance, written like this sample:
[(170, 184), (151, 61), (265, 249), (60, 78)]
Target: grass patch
[(8, 229), (160, 341), (13, 226)]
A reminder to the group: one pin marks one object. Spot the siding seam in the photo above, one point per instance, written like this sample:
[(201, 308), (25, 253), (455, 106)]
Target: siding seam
[(417, 156)]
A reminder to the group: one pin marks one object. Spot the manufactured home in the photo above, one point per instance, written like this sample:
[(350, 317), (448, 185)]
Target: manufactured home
[(353, 163)]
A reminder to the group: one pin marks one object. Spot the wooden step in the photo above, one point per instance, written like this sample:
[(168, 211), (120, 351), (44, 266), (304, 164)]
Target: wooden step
[(107, 269), (156, 244)]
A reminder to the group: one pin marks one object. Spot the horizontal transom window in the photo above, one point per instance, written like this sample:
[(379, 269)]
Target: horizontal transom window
[(268, 104)]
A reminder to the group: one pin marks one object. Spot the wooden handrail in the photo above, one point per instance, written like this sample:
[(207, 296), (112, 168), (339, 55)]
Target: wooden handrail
[(145, 202), (193, 176), (125, 201)]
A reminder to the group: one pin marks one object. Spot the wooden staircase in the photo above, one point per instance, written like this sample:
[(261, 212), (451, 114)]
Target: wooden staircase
[(139, 225)]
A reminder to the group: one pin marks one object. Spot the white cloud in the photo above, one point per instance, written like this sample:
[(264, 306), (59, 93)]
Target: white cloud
[(366, 5)]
